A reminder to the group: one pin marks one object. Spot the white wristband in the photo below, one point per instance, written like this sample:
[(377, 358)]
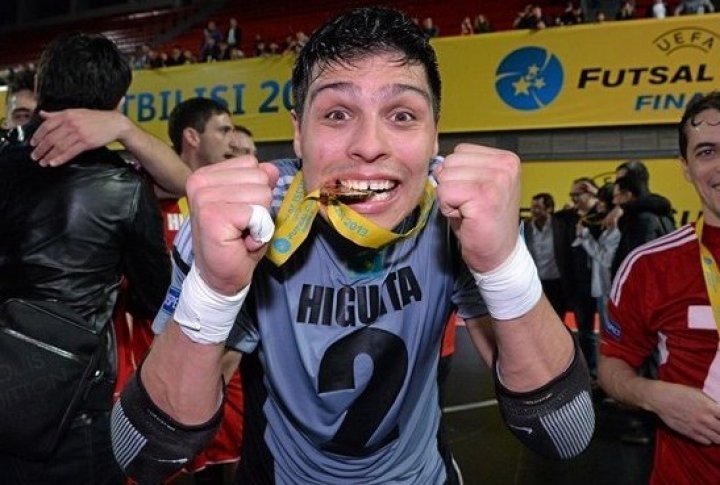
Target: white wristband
[(513, 288), (205, 315)]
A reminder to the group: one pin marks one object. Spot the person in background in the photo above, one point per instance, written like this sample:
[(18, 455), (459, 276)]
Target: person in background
[(201, 132), (20, 100), (658, 9), (481, 24), (578, 277), (321, 297), (694, 7), (547, 242), (233, 37), (601, 251), (244, 143), (663, 299), (639, 225), (71, 234)]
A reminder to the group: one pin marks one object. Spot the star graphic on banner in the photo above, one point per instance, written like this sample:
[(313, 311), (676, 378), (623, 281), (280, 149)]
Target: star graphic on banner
[(539, 83), (533, 71), (521, 86)]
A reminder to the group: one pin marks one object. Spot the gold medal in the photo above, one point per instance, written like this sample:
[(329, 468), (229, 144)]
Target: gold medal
[(298, 211)]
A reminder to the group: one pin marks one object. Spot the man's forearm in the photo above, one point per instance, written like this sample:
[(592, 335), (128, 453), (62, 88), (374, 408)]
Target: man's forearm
[(623, 383), (183, 378), (532, 349), (156, 157)]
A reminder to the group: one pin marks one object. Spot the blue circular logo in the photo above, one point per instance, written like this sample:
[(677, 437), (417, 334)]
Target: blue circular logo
[(529, 78), (281, 245)]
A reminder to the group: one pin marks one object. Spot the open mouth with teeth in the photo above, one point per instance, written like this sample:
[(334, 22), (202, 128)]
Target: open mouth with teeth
[(358, 190)]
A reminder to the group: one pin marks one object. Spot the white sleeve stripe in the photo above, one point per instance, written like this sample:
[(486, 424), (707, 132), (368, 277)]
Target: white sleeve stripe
[(672, 240), (571, 427), (127, 442)]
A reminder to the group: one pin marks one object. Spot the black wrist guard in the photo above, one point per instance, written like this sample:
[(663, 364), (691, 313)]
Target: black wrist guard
[(557, 420), (148, 444)]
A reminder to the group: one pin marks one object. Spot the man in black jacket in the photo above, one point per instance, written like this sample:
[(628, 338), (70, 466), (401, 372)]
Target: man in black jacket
[(70, 234), (642, 224)]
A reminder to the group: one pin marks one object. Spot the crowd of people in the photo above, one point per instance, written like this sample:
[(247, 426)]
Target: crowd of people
[(578, 249), (288, 316), (225, 42), (533, 17)]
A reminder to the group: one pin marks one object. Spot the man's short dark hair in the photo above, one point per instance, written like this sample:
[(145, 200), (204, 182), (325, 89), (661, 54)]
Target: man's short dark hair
[(357, 34), (22, 80), (82, 71), (638, 169), (547, 200), (696, 106), (630, 183), (192, 113)]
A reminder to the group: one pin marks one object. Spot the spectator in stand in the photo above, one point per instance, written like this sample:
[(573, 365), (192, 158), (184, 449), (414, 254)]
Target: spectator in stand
[(273, 48), (176, 57), (189, 57), (530, 18), (658, 9), (236, 54), (537, 18), (223, 53), (233, 37), (210, 51), (566, 17), (302, 39), (260, 47), (572, 15), (211, 31), (481, 25), (429, 28), (522, 18), (466, 26), (693, 7), (290, 44), (20, 100), (155, 59), (142, 57), (626, 12)]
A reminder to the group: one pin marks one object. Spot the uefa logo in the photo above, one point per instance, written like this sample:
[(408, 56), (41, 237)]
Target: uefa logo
[(529, 78)]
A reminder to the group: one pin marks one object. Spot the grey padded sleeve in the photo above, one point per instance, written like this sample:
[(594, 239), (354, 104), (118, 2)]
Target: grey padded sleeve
[(149, 445), (556, 420)]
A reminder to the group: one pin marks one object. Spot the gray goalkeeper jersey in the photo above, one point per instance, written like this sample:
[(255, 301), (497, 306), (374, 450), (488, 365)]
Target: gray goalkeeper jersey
[(342, 346)]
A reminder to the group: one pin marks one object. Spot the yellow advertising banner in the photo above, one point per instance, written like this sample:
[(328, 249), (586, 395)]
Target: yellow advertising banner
[(556, 178), (618, 73), (256, 91)]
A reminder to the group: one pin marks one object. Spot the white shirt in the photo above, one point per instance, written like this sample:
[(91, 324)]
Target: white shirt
[(543, 249)]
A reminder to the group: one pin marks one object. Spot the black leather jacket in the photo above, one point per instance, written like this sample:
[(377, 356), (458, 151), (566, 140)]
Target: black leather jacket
[(71, 233)]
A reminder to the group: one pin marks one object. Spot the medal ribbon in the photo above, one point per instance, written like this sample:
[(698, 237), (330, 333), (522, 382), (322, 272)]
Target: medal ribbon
[(298, 211), (710, 273)]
